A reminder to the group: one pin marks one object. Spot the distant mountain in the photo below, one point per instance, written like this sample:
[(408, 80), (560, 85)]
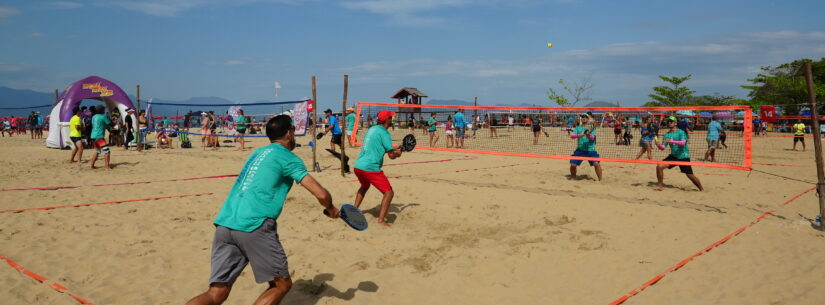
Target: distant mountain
[(449, 102), (15, 98)]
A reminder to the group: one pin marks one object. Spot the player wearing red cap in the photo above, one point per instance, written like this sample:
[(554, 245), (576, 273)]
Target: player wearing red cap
[(377, 142)]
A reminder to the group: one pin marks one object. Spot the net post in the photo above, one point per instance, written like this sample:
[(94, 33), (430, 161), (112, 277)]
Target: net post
[(747, 133), (344, 128), (137, 120), (820, 173), (314, 122)]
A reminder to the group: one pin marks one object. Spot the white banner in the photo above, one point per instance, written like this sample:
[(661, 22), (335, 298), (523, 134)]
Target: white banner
[(300, 117)]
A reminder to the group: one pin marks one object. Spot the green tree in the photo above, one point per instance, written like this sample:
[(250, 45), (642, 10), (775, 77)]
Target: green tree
[(784, 85), (578, 91), (716, 99), (674, 95)]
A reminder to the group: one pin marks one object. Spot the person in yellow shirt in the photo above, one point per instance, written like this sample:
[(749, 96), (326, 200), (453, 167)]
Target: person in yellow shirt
[(799, 134), (75, 134)]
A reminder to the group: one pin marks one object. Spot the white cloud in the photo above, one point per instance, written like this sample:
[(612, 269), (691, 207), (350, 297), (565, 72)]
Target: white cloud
[(65, 4), (8, 12), (172, 8)]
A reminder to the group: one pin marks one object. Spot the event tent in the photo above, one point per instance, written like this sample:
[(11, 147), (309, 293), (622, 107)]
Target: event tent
[(92, 87)]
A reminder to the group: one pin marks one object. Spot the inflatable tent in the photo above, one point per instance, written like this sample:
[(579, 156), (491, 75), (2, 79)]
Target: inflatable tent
[(92, 87)]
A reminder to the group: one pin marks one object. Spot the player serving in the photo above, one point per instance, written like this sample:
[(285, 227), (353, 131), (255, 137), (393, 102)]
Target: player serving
[(678, 141), (585, 146), (377, 142)]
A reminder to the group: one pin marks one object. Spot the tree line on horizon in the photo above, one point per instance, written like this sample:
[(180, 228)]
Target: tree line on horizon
[(782, 85)]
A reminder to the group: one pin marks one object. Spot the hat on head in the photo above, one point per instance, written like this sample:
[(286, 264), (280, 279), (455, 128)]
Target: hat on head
[(130, 110), (204, 113), (383, 115), (328, 110), (671, 118), (240, 111), (350, 109)]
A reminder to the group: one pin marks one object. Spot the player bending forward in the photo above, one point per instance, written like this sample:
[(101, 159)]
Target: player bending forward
[(377, 142), (585, 147), (246, 229), (677, 140)]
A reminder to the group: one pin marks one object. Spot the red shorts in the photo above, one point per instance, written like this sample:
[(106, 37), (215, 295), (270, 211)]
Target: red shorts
[(99, 143), (377, 179)]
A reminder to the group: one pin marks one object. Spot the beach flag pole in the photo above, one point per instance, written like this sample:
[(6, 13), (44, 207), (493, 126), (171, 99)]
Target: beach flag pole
[(344, 128), (56, 96), (139, 134), (820, 172), (315, 166)]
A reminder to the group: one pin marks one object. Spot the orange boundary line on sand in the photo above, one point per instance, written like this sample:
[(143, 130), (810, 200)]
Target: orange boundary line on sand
[(56, 286), (99, 203), (113, 184), (777, 164), (684, 262)]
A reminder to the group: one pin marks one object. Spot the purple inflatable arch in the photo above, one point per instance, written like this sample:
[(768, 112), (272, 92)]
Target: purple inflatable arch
[(92, 87)]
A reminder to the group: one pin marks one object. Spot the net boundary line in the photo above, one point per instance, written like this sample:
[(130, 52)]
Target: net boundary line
[(747, 133), (718, 243), (101, 203)]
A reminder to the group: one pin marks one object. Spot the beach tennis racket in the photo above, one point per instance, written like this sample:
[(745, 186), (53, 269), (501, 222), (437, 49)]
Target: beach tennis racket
[(408, 143), (352, 216), (319, 136)]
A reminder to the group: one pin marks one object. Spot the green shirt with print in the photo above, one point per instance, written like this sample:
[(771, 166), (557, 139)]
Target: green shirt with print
[(584, 143), (261, 188), (681, 152)]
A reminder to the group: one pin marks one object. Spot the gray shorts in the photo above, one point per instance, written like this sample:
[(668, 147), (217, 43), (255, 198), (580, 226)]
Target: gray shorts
[(459, 132), (232, 250)]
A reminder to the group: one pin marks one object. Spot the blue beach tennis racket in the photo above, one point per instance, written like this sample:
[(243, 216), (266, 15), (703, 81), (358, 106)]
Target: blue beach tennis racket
[(352, 216)]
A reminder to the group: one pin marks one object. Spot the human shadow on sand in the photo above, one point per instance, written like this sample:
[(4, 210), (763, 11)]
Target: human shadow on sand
[(309, 292), (395, 208)]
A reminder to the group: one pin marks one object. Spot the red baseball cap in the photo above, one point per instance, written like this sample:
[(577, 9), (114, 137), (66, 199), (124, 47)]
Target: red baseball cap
[(383, 115)]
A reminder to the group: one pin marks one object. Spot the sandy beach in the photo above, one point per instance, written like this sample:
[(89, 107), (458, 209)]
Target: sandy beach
[(467, 229)]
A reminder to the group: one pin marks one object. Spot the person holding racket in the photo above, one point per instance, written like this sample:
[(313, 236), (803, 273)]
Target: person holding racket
[(585, 146), (377, 142), (678, 141), (246, 228)]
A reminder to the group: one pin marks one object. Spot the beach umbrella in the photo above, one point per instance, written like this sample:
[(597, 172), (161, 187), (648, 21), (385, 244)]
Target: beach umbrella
[(158, 117), (740, 113), (724, 114), (686, 112), (705, 114)]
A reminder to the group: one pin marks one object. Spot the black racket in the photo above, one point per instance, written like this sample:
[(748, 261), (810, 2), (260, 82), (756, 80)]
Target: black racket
[(319, 136), (352, 216), (408, 143)]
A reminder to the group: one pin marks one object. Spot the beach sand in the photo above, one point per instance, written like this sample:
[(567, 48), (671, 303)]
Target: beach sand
[(467, 229)]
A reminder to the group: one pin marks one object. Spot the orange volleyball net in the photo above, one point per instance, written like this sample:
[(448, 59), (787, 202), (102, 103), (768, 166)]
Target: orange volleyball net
[(621, 134)]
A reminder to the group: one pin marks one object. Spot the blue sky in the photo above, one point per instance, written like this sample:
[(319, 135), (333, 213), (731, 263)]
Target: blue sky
[(450, 49)]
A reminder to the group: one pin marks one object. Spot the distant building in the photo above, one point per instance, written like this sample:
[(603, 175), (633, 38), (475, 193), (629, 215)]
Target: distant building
[(409, 96)]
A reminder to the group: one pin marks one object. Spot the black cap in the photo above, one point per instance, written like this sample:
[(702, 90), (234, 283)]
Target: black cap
[(328, 110)]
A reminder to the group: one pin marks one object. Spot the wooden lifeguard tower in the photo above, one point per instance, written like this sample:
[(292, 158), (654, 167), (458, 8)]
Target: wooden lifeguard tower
[(409, 95)]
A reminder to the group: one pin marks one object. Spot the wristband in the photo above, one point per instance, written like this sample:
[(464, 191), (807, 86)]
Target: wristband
[(575, 136), (591, 137), (661, 147)]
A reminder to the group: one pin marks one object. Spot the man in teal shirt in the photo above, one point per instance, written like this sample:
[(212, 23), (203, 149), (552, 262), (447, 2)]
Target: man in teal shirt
[(350, 124), (432, 125), (677, 140), (377, 142), (714, 130), (460, 126), (99, 124), (246, 228), (585, 147), (240, 127)]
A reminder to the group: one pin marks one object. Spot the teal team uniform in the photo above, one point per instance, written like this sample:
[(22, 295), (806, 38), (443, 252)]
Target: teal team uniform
[(240, 123), (99, 123), (431, 123), (350, 122), (585, 147), (678, 153), (261, 188), (377, 142)]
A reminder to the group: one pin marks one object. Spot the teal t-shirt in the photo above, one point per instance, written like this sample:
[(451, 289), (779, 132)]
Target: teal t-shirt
[(99, 123), (261, 188), (584, 143), (350, 121), (431, 123), (681, 152), (377, 142), (240, 123)]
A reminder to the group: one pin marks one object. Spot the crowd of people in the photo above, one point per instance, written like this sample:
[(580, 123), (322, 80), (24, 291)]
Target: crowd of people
[(34, 124)]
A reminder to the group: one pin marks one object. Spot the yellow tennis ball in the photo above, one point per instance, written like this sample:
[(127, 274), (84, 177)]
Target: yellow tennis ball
[(549, 45)]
